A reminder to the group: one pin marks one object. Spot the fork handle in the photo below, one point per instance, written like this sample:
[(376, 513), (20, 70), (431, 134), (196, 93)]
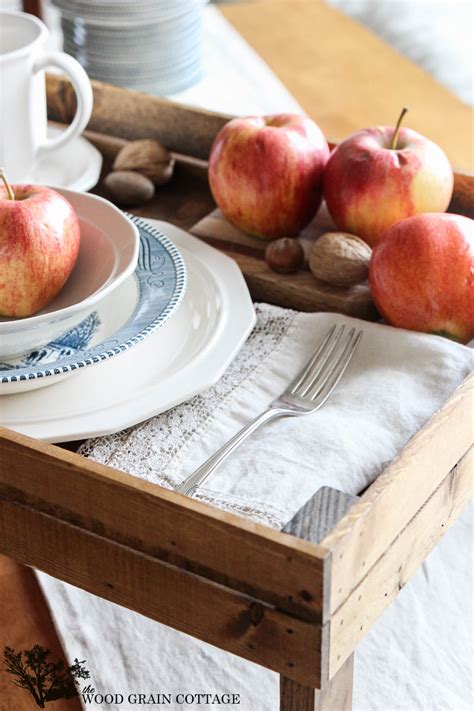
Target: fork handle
[(191, 483)]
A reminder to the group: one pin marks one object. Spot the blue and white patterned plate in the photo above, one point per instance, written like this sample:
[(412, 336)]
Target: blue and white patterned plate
[(141, 305)]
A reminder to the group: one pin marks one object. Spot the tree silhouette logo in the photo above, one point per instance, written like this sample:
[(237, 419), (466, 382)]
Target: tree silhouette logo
[(45, 680)]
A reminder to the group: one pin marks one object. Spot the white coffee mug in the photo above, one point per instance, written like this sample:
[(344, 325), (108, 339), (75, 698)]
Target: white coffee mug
[(23, 119)]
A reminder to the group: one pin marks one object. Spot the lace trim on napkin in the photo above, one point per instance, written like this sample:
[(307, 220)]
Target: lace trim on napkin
[(155, 450)]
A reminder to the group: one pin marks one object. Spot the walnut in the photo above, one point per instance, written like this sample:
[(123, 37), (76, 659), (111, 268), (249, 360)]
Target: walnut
[(147, 157), (340, 258)]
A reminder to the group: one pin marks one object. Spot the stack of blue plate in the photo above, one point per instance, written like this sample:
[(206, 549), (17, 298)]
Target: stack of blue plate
[(148, 45)]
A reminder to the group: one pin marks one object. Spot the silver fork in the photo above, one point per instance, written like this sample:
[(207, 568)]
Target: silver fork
[(307, 393)]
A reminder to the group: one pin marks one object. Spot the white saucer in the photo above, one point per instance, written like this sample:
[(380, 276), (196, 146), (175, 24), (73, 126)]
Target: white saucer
[(186, 356), (75, 166)]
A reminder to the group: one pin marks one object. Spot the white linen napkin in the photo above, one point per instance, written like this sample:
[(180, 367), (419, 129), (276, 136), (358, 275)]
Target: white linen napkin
[(395, 382)]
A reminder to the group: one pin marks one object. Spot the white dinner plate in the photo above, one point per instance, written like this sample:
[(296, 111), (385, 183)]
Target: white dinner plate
[(186, 356)]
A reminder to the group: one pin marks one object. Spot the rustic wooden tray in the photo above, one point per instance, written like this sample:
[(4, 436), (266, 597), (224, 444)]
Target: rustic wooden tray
[(298, 601)]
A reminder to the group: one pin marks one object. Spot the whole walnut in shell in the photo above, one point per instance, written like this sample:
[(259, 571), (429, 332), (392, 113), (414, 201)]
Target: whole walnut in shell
[(147, 157), (340, 258)]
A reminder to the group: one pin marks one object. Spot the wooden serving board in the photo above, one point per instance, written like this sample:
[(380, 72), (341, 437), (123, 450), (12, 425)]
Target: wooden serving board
[(301, 290)]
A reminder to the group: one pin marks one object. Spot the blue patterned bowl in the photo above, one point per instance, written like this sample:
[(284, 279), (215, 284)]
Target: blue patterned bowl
[(143, 303), (108, 255)]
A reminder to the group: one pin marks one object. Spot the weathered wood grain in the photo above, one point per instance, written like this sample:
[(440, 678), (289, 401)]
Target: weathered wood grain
[(312, 523), (177, 598), (301, 290), (358, 613), (124, 113), (384, 510), (276, 568), (335, 696)]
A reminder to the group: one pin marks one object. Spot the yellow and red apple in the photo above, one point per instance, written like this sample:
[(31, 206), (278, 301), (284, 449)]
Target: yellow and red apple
[(422, 275), (266, 173), (378, 176), (39, 244)]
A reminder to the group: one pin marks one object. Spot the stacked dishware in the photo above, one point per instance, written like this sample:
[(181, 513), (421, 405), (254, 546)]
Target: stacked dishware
[(147, 45), (126, 283)]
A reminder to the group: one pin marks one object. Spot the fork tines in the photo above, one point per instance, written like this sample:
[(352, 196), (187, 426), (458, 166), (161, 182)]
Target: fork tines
[(322, 373)]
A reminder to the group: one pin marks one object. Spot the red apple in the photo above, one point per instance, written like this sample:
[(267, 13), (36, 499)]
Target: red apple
[(266, 173), (39, 243), (422, 275), (379, 176)]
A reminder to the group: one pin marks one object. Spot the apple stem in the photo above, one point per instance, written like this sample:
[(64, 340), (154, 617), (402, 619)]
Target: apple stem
[(393, 145), (10, 193)]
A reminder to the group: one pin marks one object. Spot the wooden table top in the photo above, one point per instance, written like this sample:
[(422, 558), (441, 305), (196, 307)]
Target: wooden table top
[(347, 78)]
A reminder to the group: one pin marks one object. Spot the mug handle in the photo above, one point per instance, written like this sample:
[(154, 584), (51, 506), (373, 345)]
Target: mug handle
[(82, 87)]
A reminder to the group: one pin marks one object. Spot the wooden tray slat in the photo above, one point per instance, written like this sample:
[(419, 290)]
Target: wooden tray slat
[(213, 613), (155, 521), (130, 114)]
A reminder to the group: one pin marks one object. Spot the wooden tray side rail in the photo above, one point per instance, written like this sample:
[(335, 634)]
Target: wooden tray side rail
[(161, 554), (279, 569), (275, 599), (130, 115), (380, 542), (391, 572), (378, 545), (186, 602)]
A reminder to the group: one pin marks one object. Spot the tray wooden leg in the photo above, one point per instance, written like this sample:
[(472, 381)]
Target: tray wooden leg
[(336, 695), (313, 522)]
